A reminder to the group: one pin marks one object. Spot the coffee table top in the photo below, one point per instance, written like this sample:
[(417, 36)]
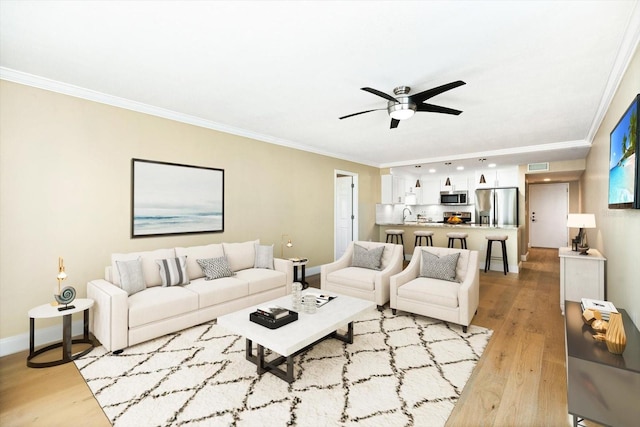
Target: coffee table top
[(309, 328)]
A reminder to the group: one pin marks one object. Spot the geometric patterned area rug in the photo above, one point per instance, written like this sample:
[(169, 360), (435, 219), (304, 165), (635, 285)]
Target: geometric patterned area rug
[(401, 370)]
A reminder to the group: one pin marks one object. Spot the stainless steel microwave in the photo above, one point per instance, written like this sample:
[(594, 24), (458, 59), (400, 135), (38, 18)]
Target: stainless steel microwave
[(454, 197)]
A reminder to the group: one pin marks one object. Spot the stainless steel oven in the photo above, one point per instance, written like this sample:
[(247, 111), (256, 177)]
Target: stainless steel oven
[(454, 198)]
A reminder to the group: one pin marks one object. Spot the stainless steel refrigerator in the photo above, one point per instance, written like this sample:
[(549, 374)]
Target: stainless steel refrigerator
[(497, 206)]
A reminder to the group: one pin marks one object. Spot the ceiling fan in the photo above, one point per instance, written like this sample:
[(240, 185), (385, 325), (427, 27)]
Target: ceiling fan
[(403, 105)]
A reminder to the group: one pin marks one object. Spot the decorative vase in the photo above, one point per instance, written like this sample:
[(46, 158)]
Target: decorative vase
[(615, 338)]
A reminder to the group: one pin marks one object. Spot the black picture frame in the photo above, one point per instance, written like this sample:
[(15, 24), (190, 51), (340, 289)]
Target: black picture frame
[(172, 199), (624, 160)]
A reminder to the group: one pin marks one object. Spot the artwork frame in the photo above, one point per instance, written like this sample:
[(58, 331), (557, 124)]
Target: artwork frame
[(175, 199), (624, 160)]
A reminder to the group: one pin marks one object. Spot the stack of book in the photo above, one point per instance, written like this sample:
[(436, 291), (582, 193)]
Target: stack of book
[(274, 312), (604, 307)]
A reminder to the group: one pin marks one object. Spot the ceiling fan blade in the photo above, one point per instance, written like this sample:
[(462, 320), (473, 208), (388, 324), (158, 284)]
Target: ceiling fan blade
[(437, 109), (380, 94), (429, 93), (394, 123), (361, 112)]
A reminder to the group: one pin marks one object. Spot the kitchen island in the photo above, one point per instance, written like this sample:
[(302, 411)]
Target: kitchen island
[(475, 241)]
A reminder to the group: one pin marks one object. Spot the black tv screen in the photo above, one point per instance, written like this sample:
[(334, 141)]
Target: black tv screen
[(624, 164)]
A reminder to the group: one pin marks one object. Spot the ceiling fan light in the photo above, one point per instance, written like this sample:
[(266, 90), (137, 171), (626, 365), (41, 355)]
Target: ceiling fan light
[(401, 110)]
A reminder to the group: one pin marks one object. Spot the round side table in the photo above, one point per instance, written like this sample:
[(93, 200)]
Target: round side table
[(47, 311), (300, 262)]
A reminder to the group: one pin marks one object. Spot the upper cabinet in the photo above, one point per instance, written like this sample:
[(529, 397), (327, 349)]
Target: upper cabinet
[(429, 192), (458, 183), (502, 177), (392, 189)]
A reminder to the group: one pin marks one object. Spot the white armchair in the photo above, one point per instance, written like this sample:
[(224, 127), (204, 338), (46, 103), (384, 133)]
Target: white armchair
[(343, 277), (451, 301)]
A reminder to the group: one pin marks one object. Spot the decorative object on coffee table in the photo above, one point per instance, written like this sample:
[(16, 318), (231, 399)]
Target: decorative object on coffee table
[(615, 338)]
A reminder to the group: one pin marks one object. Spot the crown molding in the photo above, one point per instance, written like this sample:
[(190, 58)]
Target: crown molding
[(626, 50), (102, 98)]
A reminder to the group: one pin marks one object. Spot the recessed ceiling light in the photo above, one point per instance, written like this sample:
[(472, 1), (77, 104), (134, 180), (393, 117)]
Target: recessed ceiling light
[(460, 168), (432, 170), (492, 165)]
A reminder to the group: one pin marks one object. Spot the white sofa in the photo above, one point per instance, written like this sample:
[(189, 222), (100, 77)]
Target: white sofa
[(120, 320), (453, 301), (372, 284)]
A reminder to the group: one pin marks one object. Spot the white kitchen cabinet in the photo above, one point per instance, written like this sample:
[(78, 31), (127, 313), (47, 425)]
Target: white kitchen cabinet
[(392, 189), (430, 190), (458, 183), (581, 276)]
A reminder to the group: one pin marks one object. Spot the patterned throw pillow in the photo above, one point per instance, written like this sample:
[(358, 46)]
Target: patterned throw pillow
[(173, 271), (436, 267), (367, 258), (131, 277), (215, 268), (264, 257)]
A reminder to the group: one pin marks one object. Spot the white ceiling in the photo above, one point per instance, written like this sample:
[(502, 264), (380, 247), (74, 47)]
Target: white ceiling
[(539, 74)]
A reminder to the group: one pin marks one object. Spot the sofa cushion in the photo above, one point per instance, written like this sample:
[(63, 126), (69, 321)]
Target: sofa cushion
[(354, 277), (150, 269), (240, 255), (194, 253), (439, 267), (131, 277), (431, 291), (264, 256), (215, 268), (158, 303), (261, 279), (367, 258), (218, 291), (173, 271)]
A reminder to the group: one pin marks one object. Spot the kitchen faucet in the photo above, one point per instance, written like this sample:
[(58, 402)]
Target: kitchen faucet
[(404, 217)]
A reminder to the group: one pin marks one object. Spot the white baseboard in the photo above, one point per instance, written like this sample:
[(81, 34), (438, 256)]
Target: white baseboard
[(18, 343)]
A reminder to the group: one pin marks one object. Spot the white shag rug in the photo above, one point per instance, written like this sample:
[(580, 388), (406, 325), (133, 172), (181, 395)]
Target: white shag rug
[(401, 370)]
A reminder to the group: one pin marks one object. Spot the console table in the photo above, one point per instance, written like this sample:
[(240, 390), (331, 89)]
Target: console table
[(601, 386), (581, 276)]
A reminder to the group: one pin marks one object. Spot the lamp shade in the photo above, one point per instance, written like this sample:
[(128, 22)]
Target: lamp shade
[(581, 221)]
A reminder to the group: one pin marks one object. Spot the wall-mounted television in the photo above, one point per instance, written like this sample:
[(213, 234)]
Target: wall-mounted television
[(624, 161)]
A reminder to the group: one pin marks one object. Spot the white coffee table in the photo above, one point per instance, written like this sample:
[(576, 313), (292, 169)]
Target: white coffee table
[(293, 338)]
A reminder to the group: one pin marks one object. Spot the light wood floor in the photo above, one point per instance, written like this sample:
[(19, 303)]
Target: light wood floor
[(519, 381)]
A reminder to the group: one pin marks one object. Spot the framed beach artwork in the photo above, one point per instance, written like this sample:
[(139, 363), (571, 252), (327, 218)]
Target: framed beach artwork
[(624, 164), (169, 198)]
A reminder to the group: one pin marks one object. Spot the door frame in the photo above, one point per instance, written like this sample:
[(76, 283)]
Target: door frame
[(354, 206)]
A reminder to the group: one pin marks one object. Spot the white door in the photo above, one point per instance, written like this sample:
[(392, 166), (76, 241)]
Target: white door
[(548, 209), (345, 212)]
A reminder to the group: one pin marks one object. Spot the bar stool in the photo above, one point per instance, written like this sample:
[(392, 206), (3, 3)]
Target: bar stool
[(460, 236), (426, 235), (502, 239), (395, 236)]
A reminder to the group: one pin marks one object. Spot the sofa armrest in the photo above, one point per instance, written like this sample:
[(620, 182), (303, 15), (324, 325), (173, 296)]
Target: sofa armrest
[(405, 276), (469, 291), (285, 266), (110, 320)]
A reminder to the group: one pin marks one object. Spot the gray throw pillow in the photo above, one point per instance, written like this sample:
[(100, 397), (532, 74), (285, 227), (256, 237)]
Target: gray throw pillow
[(173, 271), (215, 268), (264, 257), (367, 258), (131, 277), (435, 267)]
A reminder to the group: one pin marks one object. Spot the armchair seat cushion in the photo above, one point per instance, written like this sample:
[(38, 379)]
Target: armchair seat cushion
[(355, 277), (431, 291)]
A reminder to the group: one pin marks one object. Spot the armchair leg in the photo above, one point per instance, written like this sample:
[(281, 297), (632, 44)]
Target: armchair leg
[(464, 329), (380, 308), (393, 311)]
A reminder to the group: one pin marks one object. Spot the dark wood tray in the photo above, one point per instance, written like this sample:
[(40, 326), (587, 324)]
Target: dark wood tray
[(273, 323)]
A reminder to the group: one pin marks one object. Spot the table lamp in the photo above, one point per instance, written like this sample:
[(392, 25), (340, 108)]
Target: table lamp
[(581, 221)]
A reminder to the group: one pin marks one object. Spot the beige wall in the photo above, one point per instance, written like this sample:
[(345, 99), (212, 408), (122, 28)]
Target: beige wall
[(617, 234), (65, 177)]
